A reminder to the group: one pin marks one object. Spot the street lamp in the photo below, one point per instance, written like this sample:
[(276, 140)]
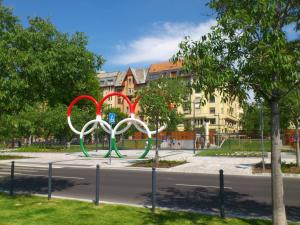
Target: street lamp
[(194, 122), (262, 136), (218, 115)]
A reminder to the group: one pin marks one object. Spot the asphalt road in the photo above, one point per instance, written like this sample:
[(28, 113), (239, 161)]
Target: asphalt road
[(244, 195)]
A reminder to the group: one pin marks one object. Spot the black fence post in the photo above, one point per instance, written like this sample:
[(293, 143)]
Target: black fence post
[(49, 181), (12, 178), (222, 213), (97, 184), (153, 189)]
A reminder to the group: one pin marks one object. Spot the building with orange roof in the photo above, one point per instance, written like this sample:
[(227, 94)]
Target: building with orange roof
[(220, 117)]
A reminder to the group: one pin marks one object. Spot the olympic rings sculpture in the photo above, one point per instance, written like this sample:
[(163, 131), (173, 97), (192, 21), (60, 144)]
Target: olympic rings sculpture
[(139, 125)]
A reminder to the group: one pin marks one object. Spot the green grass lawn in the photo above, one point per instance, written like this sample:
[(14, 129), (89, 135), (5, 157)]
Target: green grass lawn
[(6, 157), (26, 210), (238, 148), (246, 145), (126, 144), (161, 164), (53, 148), (285, 168)]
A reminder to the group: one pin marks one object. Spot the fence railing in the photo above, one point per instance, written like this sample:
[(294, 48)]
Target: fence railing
[(97, 198)]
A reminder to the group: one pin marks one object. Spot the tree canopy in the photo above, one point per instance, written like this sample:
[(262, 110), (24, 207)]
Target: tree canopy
[(248, 49), (160, 99), (41, 71), (40, 64)]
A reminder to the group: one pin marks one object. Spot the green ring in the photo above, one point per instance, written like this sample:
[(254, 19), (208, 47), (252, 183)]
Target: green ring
[(83, 149), (115, 148)]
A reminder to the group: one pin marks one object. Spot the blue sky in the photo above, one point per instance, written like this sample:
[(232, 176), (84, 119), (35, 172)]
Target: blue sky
[(127, 33)]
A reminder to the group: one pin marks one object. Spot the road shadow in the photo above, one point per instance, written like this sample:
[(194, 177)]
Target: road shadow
[(35, 185), (206, 200)]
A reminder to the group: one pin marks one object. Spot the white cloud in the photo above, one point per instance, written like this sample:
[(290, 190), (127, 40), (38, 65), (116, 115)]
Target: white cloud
[(160, 44)]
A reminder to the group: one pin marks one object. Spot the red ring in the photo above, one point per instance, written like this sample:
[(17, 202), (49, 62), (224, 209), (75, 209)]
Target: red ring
[(118, 94), (84, 97), (135, 103)]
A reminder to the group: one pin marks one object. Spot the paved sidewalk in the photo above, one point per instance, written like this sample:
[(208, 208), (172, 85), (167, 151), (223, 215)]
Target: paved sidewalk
[(207, 165)]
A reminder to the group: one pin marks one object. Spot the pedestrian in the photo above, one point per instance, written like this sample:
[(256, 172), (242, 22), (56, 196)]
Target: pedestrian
[(197, 143), (146, 144), (202, 142)]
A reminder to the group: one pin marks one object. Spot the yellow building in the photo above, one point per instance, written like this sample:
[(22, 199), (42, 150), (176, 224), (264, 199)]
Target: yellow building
[(220, 117), (216, 116)]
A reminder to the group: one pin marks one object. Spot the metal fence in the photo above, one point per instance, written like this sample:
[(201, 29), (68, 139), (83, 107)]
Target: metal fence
[(44, 179)]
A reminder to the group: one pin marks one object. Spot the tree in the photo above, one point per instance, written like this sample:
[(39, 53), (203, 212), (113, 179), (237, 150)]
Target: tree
[(175, 118), (44, 68), (248, 50), (250, 119), (291, 108), (156, 101), (187, 125), (40, 64), (119, 116)]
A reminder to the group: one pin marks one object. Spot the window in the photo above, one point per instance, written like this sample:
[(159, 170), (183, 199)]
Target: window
[(197, 103), (102, 82), (154, 76), (197, 90), (212, 99), (213, 121), (130, 91), (129, 80), (119, 100), (110, 81), (212, 110), (186, 106), (173, 74)]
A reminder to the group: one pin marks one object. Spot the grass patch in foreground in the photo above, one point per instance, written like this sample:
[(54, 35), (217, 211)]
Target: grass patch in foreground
[(6, 157), (26, 210), (161, 164), (285, 168)]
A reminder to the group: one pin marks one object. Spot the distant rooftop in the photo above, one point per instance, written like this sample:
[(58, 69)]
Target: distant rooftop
[(158, 67)]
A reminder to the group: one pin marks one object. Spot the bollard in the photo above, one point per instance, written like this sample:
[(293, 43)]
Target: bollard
[(12, 178), (222, 214), (97, 184), (153, 189), (49, 181)]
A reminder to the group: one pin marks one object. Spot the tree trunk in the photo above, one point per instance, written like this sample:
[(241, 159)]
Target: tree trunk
[(156, 147), (297, 145), (279, 216), (13, 143), (29, 140)]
